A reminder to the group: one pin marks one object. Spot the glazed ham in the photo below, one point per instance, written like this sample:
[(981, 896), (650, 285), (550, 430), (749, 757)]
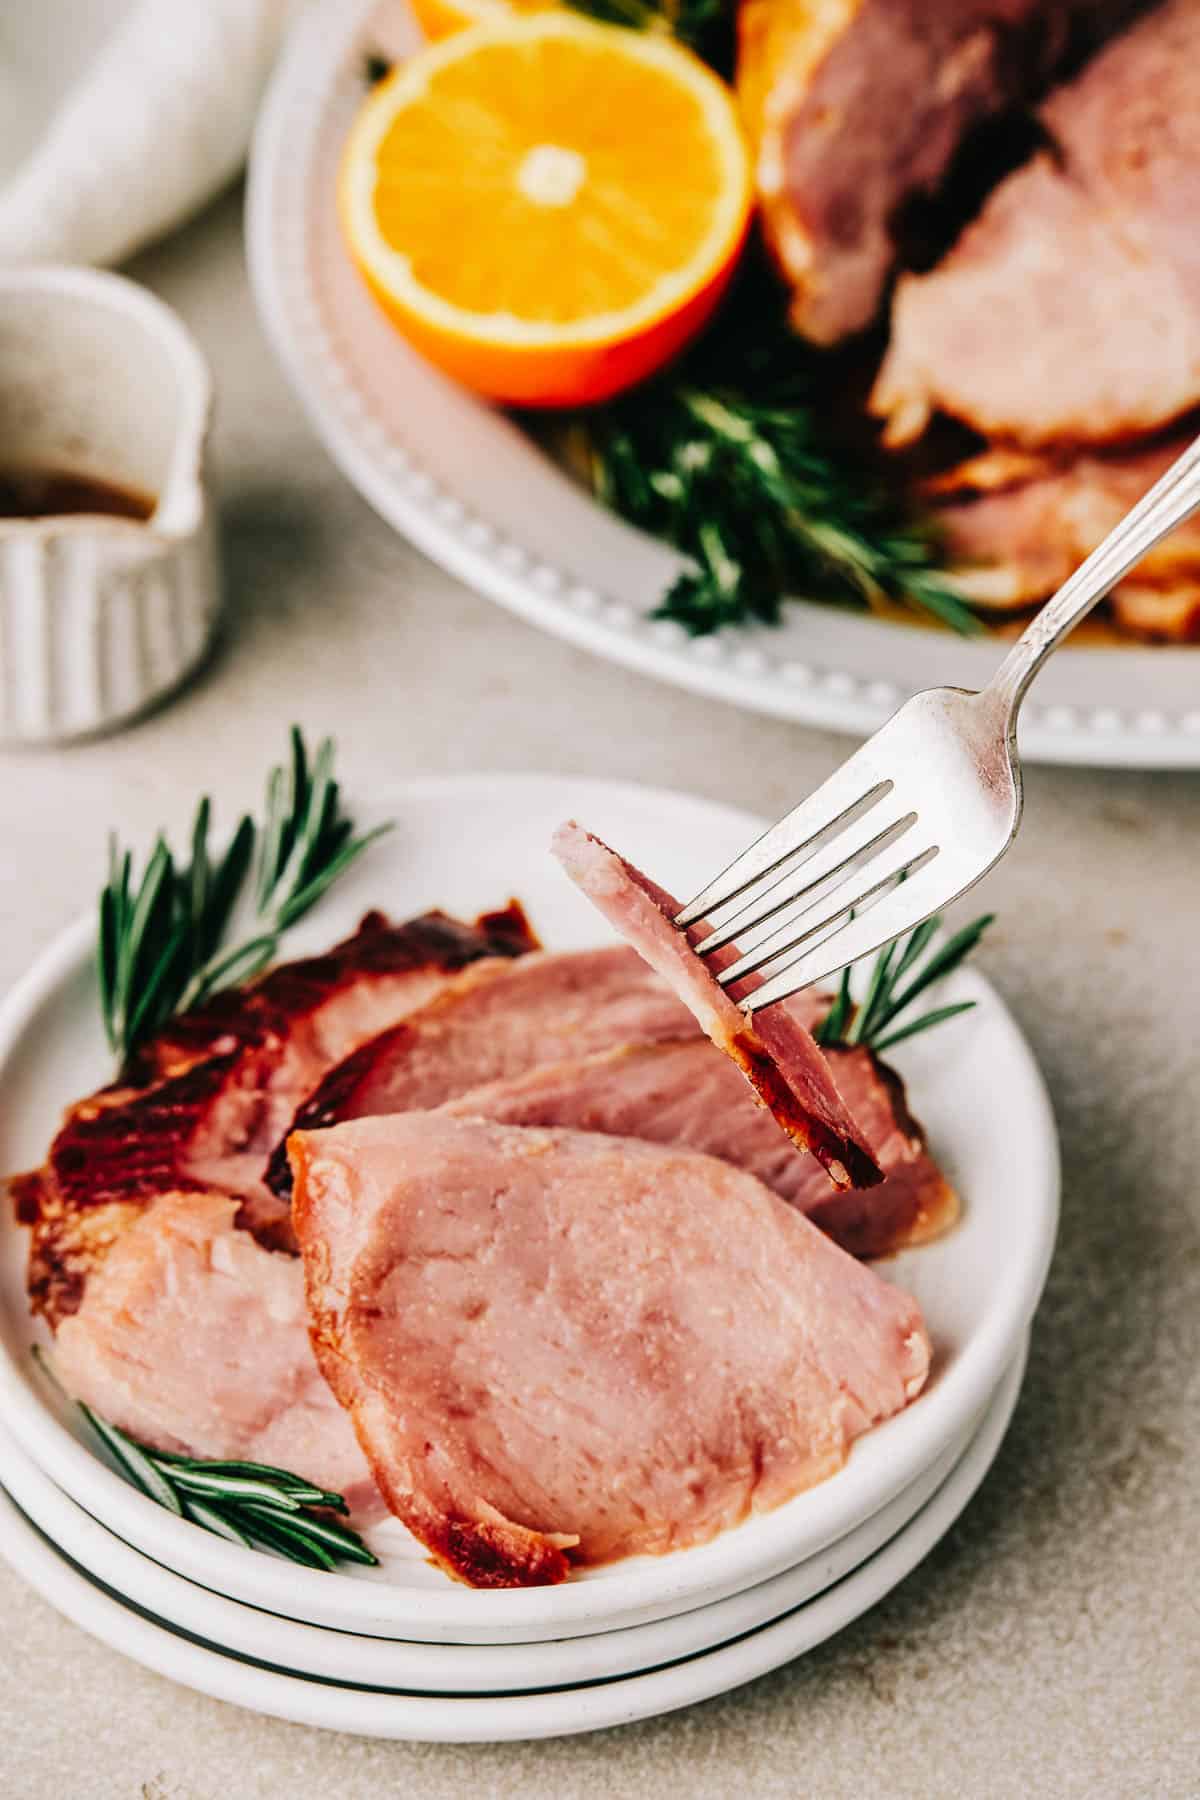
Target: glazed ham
[(493, 1022), (1070, 309), (775, 1052), (193, 1338), (856, 106), (1016, 540), (559, 1347), (687, 1095), (223, 1083)]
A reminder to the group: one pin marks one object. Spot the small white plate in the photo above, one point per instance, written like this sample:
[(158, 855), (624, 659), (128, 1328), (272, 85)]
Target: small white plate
[(480, 497), (469, 1719), (443, 1668), (467, 844)]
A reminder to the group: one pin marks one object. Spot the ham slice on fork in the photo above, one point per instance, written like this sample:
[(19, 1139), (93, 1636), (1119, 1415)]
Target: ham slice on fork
[(776, 1052)]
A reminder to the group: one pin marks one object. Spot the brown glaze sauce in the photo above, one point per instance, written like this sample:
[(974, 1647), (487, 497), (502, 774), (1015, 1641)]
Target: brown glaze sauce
[(54, 493)]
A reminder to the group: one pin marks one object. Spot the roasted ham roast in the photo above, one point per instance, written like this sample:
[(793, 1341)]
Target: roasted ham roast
[(776, 1052), (559, 1347), (1069, 310), (685, 1094), (857, 106), (192, 1337), (203, 1107), (493, 1021)]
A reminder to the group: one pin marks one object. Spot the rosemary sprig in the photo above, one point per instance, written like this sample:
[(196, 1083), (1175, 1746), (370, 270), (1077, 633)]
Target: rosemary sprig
[(888, 994), (161, 939), (247, 1503), (705, 26), (730, 457)]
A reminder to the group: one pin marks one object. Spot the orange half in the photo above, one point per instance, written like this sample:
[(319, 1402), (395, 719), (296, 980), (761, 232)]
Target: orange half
[(546, 207)]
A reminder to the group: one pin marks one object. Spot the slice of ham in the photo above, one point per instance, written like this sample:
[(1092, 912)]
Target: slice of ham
[(223, 1083), (856, 108), (490, 1023), (559, 1347), (914, 1202), (1069, 310), (775, 1052), (686, 1094), (1019, 526), (193, 1338)]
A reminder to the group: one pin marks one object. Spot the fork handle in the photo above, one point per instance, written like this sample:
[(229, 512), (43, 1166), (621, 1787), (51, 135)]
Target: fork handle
[(1171, 501)]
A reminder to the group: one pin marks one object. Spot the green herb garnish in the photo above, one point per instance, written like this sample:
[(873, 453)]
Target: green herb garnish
[(888, 994), (729, 456), (705, 26), (161, 940), (247, 1503)]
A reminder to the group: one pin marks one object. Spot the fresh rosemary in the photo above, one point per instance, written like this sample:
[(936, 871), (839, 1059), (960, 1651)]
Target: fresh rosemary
[(247, 1503), (705, 26), (161, 939), (888, 994), (730, 458)]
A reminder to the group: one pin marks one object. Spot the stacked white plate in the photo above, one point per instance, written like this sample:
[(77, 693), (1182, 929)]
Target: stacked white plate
[(400, 1651)]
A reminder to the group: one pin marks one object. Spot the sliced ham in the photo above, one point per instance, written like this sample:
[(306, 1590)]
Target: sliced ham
[(193, 1338), (1161, 615), (1017, 540), (687, 1095), (855, 107), (559, 1347), (223, 1083), (775, 1052), (1070, 308), (490, 1023), (914, 1202)]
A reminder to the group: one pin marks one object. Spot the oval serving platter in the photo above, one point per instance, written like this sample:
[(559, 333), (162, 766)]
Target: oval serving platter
[(477, 494)]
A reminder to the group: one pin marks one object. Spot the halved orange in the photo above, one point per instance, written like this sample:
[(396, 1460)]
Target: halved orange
[(546, 207), (438, 18)]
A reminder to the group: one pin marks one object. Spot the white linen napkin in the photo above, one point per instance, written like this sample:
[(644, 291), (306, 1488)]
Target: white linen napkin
[(156, 124)]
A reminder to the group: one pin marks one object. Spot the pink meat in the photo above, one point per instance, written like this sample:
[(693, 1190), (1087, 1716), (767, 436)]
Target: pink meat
[(1017, 539), (203, 1105), (191, 1337), (490, 1023), (776, 1052), (1069, 310), (914, 1202), (559, 1347), (686, 1095), (856, 108)]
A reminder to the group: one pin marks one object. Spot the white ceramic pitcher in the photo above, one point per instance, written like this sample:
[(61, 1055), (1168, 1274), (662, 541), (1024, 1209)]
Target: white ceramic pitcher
[(101, 616)]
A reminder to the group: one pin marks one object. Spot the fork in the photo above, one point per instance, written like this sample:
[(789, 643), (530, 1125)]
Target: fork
[(920, 813)]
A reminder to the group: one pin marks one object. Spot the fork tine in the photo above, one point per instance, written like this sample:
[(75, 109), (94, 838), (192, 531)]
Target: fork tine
[(844, 853), (756, 924), (885, 871), (850, 792), (893, 907)]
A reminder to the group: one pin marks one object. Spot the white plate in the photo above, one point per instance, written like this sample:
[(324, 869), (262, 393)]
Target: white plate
[(443, 1668), (480, 498), (438, 1719), (468, 843)]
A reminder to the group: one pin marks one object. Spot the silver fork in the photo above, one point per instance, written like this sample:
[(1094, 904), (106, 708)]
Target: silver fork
[(921, 812)]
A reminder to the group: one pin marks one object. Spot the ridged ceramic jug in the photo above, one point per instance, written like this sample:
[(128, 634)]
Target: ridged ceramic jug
[(101, 616)]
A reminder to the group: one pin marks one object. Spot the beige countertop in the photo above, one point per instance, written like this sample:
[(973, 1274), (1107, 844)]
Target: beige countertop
[(1051, 1644)]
